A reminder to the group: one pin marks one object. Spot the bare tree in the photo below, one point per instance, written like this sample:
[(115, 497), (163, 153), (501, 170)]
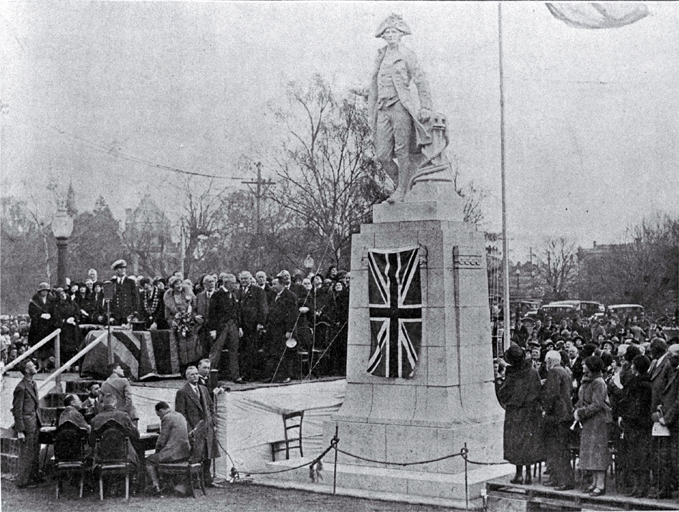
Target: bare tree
[(202, 217), (326, 169), (558, 265)]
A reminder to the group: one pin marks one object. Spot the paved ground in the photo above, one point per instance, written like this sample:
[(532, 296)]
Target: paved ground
[(242, 497)]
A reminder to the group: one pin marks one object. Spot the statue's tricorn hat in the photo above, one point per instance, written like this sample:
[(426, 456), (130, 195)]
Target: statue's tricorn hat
[(393, 21)]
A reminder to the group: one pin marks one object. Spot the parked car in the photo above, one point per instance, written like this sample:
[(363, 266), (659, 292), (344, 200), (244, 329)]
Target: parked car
[(624, 311)]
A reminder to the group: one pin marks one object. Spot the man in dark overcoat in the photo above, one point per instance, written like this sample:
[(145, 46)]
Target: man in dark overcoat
[(26, 412), (667, 413), (125, 294), (202, 309), (109, 412), (224, 325), (254, 309), (193, 401), (280, 324)]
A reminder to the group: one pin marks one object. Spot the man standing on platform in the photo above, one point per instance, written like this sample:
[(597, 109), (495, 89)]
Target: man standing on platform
[(193, 401), (279, 327), (203, 300), (224, 326), (260, 277), (119, 387), (125, 294), (558, 410), (253, 310), (25, 409)]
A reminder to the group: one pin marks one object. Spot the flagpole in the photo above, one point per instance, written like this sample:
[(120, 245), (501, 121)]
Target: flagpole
[(505, 259)]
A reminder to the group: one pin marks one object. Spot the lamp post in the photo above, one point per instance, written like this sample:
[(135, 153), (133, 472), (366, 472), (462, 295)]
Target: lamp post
[(518, 284), (62, 228), (308, 263)]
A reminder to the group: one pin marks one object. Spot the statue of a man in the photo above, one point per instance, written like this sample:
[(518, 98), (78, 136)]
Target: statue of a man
[(397, 123)]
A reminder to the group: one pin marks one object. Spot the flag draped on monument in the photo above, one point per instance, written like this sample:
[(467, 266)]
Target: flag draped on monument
[(395, 303), (598, 15)]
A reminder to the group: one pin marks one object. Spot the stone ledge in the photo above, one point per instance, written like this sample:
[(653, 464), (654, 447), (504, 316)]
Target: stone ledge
[(418, 484), (322, 488)]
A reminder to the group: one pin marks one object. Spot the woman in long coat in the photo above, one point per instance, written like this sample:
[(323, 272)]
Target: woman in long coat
[(519, 395), (593, 410), (67, 318), (179, 303), (41, 312)]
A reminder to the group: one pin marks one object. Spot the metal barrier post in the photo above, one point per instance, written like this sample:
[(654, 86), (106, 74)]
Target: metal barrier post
[(57, 359), (466, 480), (334, 477)]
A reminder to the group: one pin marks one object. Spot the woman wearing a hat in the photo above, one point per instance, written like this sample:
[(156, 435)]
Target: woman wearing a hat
[(519, 395), (593, 410), (41, 311), (67, 318), (179, 303)]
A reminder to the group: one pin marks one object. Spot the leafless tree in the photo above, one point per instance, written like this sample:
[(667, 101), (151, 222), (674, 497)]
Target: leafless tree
[(326, 169), (558, 265), (202, 215)]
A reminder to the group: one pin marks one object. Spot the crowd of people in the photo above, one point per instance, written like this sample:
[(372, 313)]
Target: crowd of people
[(599, 389), (263, 323), (189, 427)]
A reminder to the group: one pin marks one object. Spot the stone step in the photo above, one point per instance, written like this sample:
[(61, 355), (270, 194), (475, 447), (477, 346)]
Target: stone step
[(326, 487), (397, 481)]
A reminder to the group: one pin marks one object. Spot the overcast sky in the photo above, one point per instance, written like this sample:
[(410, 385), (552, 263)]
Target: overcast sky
[(592, 115)]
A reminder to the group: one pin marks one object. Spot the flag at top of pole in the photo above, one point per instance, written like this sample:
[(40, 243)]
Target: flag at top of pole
[(598, 15)]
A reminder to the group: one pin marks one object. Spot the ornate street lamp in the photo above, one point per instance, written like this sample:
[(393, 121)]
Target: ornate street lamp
[(62, 228), (308, 263)]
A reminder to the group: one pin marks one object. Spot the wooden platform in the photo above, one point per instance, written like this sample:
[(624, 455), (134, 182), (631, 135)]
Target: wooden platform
[(503, 496)]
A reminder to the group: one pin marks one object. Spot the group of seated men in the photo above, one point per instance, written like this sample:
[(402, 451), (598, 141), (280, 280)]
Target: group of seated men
[(192, 421)]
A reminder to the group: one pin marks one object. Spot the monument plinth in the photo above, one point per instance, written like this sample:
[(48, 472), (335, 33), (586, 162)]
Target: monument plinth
[(450, 398)]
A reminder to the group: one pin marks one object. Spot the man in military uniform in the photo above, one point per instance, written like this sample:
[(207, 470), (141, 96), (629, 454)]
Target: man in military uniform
[(397, 125), (126, 294)]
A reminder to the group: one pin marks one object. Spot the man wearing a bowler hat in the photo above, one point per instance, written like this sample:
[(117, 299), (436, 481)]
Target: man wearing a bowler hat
[(125, 294)]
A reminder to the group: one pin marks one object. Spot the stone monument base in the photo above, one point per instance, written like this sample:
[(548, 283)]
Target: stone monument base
[(405, 486)]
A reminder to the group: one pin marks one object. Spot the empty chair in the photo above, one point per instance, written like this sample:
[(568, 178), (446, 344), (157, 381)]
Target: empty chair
[(292, 429)]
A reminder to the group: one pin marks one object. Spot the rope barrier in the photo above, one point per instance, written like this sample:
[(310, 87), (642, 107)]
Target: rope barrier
[(235, 474), (460, 454)]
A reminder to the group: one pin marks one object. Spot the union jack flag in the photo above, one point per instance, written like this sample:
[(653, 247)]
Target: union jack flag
[(395, 303)]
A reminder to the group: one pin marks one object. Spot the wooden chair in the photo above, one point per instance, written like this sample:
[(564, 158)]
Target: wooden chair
[(293, 440), (192, 466), (110, 455), (70, 444)]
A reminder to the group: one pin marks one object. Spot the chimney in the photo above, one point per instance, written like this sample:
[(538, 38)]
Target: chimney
[(594, 244)]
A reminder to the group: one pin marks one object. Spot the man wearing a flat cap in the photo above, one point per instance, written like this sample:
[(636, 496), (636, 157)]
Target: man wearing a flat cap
[(395, 119), (125, 294)]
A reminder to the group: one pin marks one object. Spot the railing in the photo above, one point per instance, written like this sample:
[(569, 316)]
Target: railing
[(55, 376), (35, 347)]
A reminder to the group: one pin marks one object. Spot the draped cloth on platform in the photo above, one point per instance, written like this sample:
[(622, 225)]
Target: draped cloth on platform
[(146, 353)]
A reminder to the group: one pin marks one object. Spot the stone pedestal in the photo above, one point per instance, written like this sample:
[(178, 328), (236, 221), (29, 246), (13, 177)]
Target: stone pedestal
[(450, 400)]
